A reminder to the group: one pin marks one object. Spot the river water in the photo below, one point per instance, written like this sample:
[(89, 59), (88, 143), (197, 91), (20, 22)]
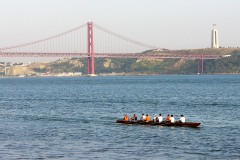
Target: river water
[(74, 118)]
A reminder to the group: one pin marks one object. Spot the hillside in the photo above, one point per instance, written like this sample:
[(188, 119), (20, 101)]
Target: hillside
[(106, 66)]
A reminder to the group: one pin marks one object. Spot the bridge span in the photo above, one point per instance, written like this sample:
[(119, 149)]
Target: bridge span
[(98, 42)]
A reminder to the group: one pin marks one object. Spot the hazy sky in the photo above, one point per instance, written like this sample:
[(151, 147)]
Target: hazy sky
[(172, 24)]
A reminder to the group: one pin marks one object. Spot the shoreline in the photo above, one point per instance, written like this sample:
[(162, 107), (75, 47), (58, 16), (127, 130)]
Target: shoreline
[(114, 75)]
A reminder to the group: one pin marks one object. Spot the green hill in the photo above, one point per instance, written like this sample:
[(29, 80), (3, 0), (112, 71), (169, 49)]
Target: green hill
[(227, 65), (114, 66)]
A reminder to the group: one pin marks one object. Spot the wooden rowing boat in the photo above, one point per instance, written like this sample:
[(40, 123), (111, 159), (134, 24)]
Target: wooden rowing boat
[(176, 124)]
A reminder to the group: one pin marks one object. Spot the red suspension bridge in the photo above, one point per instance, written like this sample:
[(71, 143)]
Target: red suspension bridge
[(99, 42)]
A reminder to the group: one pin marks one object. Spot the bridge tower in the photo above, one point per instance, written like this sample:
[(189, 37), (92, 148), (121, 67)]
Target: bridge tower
[(201, 64), (90, 46)]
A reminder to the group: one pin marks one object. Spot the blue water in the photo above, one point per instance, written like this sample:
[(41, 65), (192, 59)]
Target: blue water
[(74, 118)]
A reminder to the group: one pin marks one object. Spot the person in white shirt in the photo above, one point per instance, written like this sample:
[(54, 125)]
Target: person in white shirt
[(160, 118), (143, 118), (182, 119), (172, 119)]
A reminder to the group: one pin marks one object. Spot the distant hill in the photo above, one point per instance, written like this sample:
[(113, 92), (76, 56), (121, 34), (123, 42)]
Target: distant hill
[(113, 66)]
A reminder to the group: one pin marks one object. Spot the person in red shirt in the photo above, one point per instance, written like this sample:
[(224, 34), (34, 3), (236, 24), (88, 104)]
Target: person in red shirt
[(134, 117)]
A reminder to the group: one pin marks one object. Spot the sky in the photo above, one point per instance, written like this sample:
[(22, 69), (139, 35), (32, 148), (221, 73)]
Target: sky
[(172, 24)]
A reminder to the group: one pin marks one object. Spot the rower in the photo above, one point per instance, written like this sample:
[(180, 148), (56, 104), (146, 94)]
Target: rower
[(160, 118), (168, 119), (182, 119), (148, 119), (172, 119), (134, 117), (143, 118), (155, 118), (126, 118)]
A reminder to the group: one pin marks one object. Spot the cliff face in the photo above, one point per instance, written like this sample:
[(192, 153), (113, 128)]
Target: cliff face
[(229, 64), (20, 70), (60, 66)]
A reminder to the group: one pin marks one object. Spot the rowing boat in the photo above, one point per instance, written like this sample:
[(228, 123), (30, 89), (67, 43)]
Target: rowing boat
[(175, 124)]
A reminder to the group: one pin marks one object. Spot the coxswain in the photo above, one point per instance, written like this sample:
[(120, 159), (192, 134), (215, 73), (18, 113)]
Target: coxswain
[(160, 118), (182, 119), (143, 118), (172, 119), (148, 119), (168, 119), (134, 117), (126, 118)]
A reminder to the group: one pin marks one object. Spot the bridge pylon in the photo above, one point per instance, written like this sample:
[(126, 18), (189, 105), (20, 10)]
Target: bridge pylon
[(201, 64), (90, 43)]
